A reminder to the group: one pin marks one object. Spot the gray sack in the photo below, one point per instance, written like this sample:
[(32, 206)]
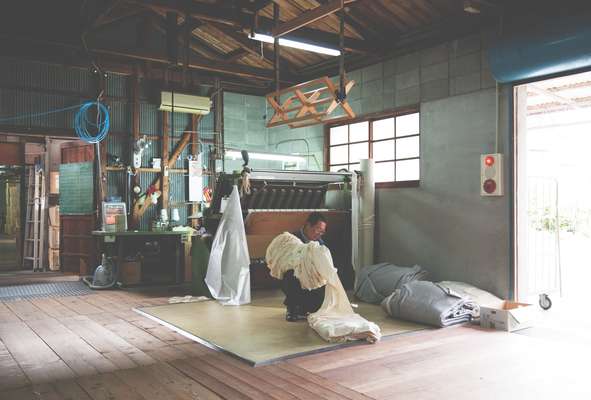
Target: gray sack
[(429, 303), (376, 282)]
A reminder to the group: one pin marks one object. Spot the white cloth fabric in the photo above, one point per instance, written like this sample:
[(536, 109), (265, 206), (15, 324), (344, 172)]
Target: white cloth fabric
[(312, 263), (187, 299), (228, 269)]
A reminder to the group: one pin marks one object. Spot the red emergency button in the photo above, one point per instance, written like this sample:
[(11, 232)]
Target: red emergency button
[(489, 186)]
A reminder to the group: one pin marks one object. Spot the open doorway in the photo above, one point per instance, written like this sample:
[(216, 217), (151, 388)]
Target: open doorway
[(10, 216), (553, 188)]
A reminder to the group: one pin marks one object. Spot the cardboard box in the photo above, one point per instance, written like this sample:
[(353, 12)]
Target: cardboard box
[(511, 316), (131, 272), (54, 216), (54, 237), (54, 182), (54, 259)]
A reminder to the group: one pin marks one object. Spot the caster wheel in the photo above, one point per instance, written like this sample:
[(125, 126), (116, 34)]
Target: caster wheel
[(545, 302)]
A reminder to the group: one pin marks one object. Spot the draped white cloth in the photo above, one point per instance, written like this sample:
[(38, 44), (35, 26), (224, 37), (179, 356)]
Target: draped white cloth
[(312, 264), (228, 269)]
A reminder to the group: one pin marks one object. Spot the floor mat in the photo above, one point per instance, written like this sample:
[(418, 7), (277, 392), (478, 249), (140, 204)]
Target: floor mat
[(53, 289), (258, 333)]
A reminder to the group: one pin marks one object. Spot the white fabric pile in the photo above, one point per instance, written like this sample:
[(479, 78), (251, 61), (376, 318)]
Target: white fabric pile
[(228, 270), (312, 263)]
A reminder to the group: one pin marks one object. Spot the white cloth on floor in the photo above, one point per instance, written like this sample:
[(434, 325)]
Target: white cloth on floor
[(228, 269), (312, 264), (187, 299)]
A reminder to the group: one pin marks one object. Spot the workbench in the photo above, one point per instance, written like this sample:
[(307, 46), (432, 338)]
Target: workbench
[(122, 242)]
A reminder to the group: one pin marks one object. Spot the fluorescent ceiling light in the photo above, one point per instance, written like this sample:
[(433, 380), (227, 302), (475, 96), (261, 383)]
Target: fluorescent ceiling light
[(296, 44), (235, 155)]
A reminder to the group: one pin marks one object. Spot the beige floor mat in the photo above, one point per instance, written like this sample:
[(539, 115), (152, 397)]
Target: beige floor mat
[(258, 332)]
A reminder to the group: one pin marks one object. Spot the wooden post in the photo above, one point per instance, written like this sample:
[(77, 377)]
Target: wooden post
[(135, 134), (276, 50), (164, 183), (180, 146), (194, 151)]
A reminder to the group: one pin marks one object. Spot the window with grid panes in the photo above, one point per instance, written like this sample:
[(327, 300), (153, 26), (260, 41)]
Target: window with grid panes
[(393, 141)]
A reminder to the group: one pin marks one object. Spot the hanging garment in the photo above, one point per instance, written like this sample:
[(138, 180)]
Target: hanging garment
[(228, 269), (429, 303), (312, 264), (376, 282)]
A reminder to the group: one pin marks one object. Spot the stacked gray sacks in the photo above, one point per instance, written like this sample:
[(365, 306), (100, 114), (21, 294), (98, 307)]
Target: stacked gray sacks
[(376, 282), (430, 303)]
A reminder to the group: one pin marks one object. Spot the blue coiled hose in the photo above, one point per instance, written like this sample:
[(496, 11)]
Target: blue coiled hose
[(84, 126)]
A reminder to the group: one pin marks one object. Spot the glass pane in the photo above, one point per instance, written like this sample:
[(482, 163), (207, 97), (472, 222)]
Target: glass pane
[(383, 129), (336, 168), (384, 172), (359, 131), (338, 135), (339, 155), (383, 150), (407, 125), (359, 151), (408, 170), (354, 167), (407, 147)]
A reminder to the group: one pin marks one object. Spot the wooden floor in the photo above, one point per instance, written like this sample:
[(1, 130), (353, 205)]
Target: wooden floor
[(96, 347)]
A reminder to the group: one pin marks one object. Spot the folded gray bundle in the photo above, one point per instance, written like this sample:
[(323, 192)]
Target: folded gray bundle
[(429, 303), (376, 282)]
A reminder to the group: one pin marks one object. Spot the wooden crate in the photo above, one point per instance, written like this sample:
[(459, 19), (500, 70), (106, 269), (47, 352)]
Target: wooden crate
[(131, 272), (53, 256), (54, 215), (79, 248), (54, 237)]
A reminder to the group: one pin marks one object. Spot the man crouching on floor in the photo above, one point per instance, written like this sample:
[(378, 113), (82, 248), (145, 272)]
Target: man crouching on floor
[(300, 302)]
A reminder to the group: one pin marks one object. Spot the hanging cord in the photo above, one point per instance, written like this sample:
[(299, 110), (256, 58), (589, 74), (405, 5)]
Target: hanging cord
[(83, 126), (81, 121), (41, 114), (341, 95)]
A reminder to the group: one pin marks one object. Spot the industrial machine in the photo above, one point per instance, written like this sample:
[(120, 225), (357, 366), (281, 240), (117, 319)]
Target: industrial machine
[(275, 201)]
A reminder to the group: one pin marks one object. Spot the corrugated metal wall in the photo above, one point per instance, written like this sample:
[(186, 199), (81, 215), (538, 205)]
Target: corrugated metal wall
[(30, 88)]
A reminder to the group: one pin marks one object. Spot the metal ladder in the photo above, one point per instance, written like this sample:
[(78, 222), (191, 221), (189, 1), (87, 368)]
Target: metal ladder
[(34, 243)]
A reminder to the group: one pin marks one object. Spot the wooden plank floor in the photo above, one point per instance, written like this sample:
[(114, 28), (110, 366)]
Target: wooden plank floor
[(96, 347)]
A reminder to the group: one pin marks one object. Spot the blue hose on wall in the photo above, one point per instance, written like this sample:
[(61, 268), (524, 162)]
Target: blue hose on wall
[(550, 48), (83, 126)]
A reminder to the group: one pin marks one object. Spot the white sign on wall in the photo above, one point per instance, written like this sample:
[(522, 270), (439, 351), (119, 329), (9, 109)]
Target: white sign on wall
[(195, 180)]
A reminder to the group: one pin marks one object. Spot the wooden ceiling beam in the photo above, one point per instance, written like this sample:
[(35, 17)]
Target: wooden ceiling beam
[(231, 17), (75, 58), (201, 11), (203, 48), (253, 47), (196, 62), (98, 20), (235, 55), (307, 18)]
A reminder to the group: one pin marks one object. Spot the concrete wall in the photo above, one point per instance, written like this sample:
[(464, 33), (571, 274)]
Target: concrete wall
[(444, 225), (245, 119)]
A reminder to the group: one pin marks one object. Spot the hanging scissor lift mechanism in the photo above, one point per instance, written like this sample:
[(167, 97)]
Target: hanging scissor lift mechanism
[(311, 102), (306, 104)]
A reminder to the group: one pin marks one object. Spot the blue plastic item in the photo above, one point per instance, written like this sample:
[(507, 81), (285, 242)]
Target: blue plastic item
[(554, 47)]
